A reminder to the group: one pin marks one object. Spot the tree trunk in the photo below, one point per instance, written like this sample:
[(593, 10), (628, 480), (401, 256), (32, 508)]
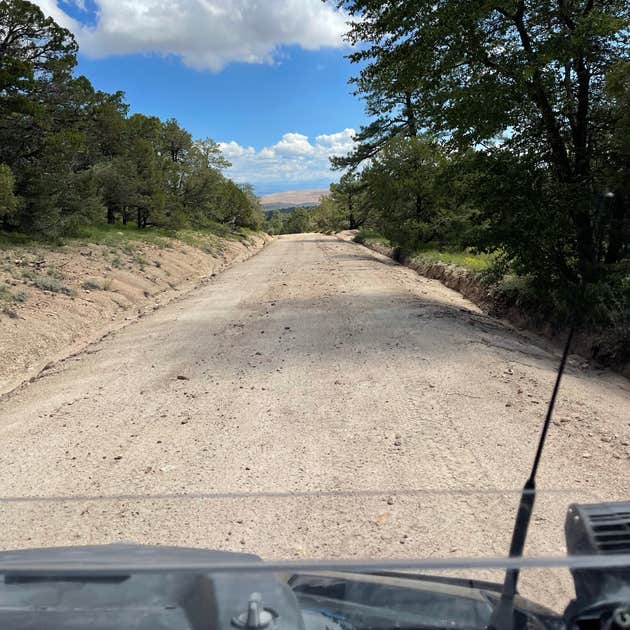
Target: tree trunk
[(412, 125), (111, 217)]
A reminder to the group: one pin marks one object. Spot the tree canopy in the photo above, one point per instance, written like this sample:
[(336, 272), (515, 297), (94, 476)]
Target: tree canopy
[(71, 155)]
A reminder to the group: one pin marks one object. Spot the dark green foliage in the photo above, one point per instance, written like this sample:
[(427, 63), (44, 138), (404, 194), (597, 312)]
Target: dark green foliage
[(296, 221), (349, 195), (8, 200), (70, 156), (507, 123)]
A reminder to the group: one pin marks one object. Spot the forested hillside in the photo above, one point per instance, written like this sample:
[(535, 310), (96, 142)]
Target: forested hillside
[(72, 156), (501, 129)]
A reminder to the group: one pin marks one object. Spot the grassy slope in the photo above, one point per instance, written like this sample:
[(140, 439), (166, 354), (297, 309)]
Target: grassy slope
[(428, 254)]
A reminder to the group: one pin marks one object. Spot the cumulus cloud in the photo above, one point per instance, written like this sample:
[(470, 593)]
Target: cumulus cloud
[(294, 158), (205, 34)]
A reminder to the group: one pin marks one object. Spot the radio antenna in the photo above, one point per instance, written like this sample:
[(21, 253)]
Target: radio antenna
[(503, 613)]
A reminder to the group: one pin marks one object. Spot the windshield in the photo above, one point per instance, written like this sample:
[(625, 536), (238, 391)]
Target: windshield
[(248, 307)]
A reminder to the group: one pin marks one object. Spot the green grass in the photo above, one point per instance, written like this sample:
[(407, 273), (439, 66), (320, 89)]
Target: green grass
[(15, 240), (127, 238), (367, 236), (123, 236), (431, 254), (466, 258)]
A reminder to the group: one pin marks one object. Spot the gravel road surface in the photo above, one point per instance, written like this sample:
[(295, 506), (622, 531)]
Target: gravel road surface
[(315, 370)]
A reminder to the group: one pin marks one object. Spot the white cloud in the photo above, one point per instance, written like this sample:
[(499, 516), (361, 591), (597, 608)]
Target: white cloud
[(205, 34), (293, 144), (294, 158)]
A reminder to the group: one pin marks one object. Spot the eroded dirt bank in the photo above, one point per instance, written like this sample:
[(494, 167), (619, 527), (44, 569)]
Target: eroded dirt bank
[(55, 301), (316, 400)]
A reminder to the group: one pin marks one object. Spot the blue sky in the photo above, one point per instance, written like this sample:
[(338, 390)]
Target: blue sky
[(267, 80)]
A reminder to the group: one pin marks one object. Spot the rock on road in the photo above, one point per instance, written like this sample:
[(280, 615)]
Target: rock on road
[(353, 394)]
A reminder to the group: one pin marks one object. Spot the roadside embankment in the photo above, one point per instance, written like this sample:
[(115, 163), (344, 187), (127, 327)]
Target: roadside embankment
[(56, 301)]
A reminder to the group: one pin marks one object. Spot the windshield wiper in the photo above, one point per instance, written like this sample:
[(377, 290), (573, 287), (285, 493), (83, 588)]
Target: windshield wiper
[(503, 614)]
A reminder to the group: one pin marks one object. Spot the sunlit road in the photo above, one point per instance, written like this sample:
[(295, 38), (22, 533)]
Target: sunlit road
[(313, 370)]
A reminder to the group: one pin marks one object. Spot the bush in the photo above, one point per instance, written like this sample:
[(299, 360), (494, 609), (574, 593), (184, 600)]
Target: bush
[(365, 235), (52, 284), (92, 285)]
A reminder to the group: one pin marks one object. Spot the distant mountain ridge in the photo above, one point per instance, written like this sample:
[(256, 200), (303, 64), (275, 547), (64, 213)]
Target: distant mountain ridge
[(292, 199)]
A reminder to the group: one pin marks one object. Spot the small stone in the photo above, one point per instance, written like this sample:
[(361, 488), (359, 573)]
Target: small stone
[(390, 501), (397, 443), (181, 377), (118, 458), (586, 455)]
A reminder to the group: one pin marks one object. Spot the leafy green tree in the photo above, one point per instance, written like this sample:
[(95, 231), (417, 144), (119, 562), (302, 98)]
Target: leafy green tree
[(349, 195), (210, 155), (402, 185), (533, 72), (328, 216), (275, 223), (298, 221), (71, 155)]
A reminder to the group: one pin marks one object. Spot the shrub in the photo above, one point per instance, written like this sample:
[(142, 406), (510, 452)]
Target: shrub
[(92, 285), (365, 235), (52, 284)]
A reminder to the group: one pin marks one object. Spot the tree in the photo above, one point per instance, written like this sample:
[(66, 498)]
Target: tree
[(402, 186), (328, 216), (349, 195), (33, 47), (210, 155), (391, 98), (532, 70), (298, 221), (275, 223), (71, 155)]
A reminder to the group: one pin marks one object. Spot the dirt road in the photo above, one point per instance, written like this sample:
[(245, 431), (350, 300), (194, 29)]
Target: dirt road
[(317, 367)]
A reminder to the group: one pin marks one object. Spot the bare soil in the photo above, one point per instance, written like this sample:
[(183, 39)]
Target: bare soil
[(92, 290), (316, 401)]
